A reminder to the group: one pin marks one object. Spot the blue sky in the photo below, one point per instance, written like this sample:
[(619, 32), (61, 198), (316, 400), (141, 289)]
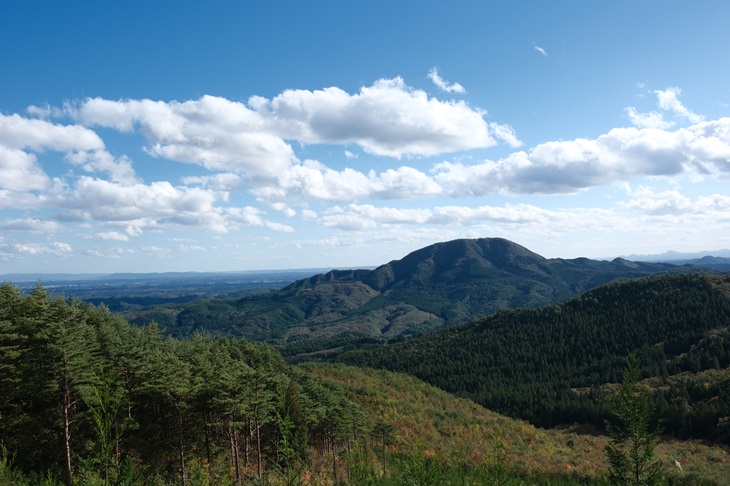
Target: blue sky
[(149, 136)]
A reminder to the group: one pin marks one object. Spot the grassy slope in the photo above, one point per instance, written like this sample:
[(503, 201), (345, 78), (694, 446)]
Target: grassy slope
[(455, 428)]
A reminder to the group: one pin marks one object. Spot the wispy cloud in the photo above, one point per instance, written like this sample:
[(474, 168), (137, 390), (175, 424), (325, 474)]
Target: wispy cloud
[(539, 49), (444, 85), (669, 100)]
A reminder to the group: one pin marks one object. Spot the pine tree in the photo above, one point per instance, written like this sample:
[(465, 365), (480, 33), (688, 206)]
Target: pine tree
[(632, 443)]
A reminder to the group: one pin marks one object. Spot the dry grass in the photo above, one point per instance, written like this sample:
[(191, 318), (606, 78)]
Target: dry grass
[(459, 430)]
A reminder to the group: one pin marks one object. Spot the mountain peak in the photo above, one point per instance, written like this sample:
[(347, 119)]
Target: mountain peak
[(457, 260)]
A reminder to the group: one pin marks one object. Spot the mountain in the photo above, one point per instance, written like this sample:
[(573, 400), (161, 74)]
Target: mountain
[(718, 263), (552, 365), (441, 285), (675, 256)]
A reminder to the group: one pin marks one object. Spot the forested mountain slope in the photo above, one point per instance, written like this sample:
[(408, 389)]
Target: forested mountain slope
[(547, 365), (440, 285), (456, 430), (85, 398)]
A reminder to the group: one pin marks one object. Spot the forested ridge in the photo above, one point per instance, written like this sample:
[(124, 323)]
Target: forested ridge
[(550, 365), (441, 285), (87, 399)]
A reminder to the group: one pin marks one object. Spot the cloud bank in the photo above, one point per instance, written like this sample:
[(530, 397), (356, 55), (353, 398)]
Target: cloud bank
[(393, 143)]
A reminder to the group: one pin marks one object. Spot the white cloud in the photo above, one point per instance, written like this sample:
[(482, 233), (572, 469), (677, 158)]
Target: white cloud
[(648, 120), (387, 118), (312, 179), (506, 134), (111, 236), (214, 132), (25, 133), (186, 248), (115, 253), (539, 49), (667, 202), (119, 170), (433, 75), (246, 215), (622, 154), (366, 216), (226, 182), (19, 171), (350, 155), (281, 228), (30, 224), (157, 252), (17, 249), (669, 100)]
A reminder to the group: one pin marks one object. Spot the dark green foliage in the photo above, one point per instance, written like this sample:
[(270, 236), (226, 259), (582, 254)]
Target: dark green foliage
[(91, 399), (547, 365), (438, 286), (631, 452)]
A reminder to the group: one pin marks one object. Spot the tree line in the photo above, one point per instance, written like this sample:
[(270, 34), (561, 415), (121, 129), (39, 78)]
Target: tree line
[(92, 399)]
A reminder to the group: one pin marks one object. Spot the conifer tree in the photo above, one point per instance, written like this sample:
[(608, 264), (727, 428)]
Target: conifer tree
[(632, 442)]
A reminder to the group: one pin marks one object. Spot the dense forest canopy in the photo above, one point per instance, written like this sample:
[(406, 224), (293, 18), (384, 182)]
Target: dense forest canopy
[(548, 365), (77, 382)]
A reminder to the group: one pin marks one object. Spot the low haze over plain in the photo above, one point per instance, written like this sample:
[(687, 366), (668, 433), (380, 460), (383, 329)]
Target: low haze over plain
[(147, 136)]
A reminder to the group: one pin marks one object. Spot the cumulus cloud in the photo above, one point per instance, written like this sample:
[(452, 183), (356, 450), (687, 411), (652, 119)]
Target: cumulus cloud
[(107, 201), (662, 203), (648, 120), (214, 132), (388, 118), (139, 207), (225, 182), (444, 85), (20, 171), (312, 179), (54, 248), (25, 133), (111, 236), (30, 224), (367, 216), (622, 154), (83, 147), (119, 170)]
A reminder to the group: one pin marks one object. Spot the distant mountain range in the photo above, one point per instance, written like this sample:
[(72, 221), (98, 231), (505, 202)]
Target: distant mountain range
[(675, 256), (440, 285)]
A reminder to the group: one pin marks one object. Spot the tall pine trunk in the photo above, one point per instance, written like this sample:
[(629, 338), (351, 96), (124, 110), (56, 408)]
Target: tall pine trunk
[(181, 445), (67, 430)]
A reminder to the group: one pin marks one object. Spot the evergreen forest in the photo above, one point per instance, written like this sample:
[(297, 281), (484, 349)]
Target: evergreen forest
[(554, 365), (87, 398)]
